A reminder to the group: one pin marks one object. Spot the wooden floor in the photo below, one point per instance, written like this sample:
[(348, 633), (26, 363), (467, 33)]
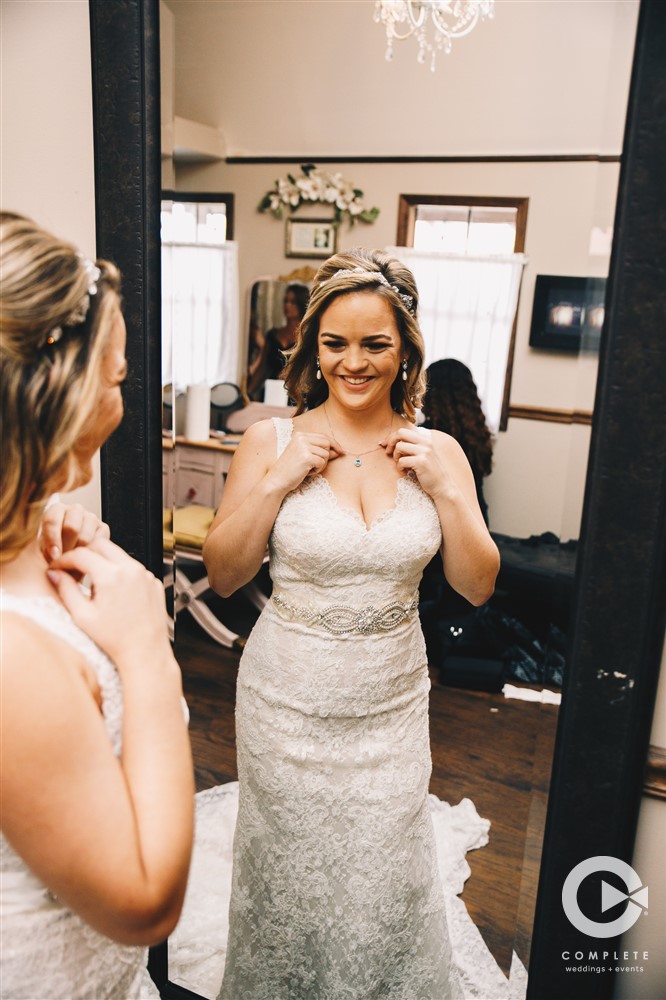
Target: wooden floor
[(495, 751)]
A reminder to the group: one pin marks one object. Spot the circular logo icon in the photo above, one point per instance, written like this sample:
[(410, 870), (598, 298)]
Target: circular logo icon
[(636, 896)]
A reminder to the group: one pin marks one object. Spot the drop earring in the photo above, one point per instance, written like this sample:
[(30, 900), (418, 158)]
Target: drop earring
[(404, 370), (318, 369)]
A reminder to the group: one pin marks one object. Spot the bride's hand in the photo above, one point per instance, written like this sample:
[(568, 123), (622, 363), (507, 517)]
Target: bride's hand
[(125, 613), (414, 452), (307, 454), (67, 526)]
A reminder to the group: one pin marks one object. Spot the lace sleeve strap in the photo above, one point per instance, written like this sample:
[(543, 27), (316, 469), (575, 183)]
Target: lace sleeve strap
[(283, 428)]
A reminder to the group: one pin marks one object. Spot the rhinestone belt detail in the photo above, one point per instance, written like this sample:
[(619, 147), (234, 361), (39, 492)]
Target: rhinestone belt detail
[(342, 620)]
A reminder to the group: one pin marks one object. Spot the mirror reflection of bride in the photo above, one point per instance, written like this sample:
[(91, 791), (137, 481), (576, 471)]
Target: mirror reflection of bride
[(335, 887)]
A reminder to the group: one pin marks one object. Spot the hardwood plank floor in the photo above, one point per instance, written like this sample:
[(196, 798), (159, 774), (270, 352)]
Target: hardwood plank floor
[(495, 751)]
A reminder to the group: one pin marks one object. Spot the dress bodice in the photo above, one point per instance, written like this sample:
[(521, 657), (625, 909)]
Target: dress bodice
[(322, 551), (48, 950)]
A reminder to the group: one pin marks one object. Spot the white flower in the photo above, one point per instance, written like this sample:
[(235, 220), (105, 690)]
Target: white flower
[(315, 185)]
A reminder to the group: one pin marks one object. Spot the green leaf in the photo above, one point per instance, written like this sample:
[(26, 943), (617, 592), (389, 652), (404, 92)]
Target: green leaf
[(358, 193), (368, 215), (291, 179), (264, 204), (307, 168)]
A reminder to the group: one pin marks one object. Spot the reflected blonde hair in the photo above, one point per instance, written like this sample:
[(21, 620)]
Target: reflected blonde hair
[(300, 373), (49, 390)]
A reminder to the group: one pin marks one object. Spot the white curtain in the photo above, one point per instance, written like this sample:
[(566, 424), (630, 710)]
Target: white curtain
[(467, 306), (200, 314)]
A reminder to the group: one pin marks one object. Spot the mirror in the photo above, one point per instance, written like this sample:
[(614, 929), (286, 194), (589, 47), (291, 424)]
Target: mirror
[(625, 763), (535, 492)]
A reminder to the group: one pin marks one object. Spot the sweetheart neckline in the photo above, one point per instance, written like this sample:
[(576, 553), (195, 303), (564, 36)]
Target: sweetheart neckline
[(355, 514)]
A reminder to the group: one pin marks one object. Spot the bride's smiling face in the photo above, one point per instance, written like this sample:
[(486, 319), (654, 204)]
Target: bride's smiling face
[(360, 349)]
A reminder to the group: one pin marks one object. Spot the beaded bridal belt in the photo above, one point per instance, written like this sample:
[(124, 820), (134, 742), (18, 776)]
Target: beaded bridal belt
[(343, 620)]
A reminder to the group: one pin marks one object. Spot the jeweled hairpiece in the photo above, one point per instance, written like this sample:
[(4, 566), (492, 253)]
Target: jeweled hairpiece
[(79, 313), (407, 300)]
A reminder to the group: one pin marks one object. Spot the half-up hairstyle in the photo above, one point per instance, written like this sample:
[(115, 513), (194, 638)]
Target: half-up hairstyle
[(356, 271), (56, 312)]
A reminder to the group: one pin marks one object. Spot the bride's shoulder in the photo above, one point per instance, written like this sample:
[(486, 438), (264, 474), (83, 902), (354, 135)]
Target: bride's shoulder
[(446, 445)]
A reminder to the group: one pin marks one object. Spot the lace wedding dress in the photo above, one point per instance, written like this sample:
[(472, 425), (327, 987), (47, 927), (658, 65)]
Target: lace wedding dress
[(47, 950), (335, 891)]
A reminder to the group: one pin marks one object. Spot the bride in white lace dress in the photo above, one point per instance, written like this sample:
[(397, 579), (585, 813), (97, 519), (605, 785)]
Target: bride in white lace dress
[(97, 788), (335, 892)]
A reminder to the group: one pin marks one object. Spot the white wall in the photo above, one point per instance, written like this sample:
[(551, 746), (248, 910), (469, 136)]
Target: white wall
[(46, 155), (294, 78)]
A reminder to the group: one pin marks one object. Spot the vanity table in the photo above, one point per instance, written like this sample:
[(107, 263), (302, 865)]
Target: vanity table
[(195, 474)]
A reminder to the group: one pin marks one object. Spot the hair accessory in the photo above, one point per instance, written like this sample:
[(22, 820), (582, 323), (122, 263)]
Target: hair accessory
[(407, 300), (318, 369), (79, 313), (404, 370)]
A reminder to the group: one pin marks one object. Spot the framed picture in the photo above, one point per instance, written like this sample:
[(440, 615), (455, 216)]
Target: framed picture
[(310, 238), (568, 313)]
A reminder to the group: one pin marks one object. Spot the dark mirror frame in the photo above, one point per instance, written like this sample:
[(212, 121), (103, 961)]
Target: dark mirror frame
[(620, 593)]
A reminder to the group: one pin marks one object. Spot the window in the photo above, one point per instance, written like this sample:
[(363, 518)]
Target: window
[(196, 218), (465, 229), (467, 259), (200, 307)]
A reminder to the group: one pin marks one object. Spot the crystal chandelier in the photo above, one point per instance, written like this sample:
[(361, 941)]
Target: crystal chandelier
[(449, 19)]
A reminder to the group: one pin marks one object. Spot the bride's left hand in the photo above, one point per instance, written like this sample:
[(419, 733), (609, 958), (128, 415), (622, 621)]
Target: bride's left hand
[(414, 452), (68, 526)]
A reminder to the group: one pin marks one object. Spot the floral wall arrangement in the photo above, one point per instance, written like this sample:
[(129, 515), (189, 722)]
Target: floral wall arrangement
[(317, 185)]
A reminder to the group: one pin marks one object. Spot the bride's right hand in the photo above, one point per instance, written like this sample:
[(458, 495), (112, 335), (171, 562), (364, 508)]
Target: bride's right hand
[(307, 454), (125, 613)]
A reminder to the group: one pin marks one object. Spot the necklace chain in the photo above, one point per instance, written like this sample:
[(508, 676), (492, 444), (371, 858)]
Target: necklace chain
[(357, 454)]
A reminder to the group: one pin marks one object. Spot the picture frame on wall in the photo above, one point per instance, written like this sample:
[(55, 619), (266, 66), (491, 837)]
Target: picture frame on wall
[(568, 313), (310, 238)]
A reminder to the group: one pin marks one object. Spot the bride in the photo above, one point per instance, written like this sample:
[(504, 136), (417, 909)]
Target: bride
[(97, 787), (335, 889)]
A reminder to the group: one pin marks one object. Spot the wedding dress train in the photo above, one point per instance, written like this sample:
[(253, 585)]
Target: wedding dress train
[(197, 948)]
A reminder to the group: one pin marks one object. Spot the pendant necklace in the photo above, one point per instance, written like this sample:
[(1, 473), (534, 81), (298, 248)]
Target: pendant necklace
[(357, 455)]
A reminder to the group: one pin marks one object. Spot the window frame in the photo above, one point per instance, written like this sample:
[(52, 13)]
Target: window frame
[(407, 205), (225, 198)]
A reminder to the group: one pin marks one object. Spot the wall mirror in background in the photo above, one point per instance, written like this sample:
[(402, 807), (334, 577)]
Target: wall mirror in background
[(575, 740)]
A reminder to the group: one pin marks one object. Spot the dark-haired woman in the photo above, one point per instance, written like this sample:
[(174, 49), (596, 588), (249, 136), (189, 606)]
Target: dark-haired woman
[(277, 341), (335, 886), (451, 404)]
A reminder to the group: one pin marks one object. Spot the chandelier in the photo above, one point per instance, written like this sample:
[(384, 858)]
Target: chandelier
[(449, 19)]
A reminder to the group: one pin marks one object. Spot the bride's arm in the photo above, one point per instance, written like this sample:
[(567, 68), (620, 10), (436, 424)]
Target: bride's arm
[(109, 837), (256, 485), (470, 556)]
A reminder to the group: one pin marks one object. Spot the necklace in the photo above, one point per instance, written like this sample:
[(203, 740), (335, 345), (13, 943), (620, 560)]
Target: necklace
[(357, 455)]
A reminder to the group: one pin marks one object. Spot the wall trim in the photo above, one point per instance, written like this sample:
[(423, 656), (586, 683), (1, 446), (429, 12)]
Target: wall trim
[(553, 416), (510, 158), (654, 783)]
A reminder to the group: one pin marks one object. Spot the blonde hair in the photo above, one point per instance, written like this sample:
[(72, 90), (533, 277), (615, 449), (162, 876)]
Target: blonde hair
[(50, 361), (363, 270)]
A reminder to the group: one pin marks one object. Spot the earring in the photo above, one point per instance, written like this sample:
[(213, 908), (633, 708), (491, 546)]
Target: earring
[(318, 369), (404, 370)]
